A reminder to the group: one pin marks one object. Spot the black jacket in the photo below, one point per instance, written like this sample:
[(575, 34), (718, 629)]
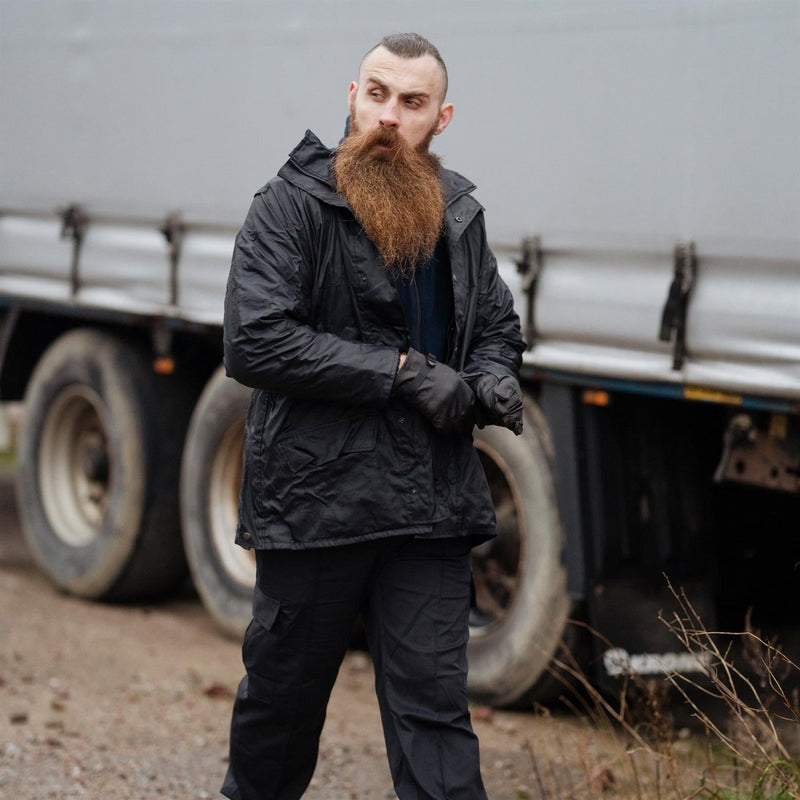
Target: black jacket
[(314, 325)]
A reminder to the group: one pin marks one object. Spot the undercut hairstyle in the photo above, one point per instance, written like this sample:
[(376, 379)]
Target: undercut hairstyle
[(411, 45)]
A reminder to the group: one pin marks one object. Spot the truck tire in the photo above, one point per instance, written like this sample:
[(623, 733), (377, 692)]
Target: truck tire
[(522, 604), (223, 572), (98, 463)]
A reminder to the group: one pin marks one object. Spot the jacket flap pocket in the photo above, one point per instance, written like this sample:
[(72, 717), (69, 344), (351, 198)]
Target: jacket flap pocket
[(361, 436), (325, 443)]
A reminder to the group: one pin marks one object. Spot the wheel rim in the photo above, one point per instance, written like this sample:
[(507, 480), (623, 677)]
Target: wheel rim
[(223, 497), (75, 478), (497, 564)]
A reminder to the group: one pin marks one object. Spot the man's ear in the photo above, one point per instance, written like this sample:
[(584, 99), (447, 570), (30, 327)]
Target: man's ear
[(445, 115), (351, 93)]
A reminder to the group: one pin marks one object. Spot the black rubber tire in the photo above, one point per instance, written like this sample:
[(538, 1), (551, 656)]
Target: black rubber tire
[(521, 582), (98, 460), (223, 572)]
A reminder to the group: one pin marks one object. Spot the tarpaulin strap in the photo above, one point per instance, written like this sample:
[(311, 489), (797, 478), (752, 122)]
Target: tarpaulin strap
[(530, 266), (673, 318), (174, 230), (73, 226)]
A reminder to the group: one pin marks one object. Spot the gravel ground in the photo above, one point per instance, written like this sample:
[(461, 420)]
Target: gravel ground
[(123, 702)]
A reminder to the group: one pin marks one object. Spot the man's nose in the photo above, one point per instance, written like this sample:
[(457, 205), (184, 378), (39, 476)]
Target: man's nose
[(389, 117)]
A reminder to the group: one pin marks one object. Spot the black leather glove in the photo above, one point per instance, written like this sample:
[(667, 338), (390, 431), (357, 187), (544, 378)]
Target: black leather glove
[(499, 400), (436, 391)]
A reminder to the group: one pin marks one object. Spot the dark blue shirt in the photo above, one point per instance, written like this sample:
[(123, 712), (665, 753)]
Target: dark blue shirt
[(427, 300)]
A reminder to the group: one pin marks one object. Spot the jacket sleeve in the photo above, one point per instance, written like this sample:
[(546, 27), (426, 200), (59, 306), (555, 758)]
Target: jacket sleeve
[(493, 339), (268, 342), (494, 342)]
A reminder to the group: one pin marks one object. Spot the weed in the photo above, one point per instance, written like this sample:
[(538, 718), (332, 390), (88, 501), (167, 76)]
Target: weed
[(745, 753)]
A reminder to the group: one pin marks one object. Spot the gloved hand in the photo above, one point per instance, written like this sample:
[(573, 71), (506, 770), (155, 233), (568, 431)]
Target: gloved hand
[(499, 400), (436, 391)]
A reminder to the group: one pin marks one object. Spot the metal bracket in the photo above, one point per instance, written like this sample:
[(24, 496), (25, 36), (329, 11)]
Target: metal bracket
[(174, 230), (673, 318), (530, 266), (74, 222), (162, 339), (768, 458)]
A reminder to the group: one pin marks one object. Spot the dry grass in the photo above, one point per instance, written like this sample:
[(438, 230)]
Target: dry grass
[(749, 725)]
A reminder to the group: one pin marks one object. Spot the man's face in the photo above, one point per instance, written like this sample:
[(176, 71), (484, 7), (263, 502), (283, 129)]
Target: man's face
[(404, 94)]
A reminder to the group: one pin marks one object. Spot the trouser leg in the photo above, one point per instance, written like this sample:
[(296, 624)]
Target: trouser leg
[(304, 608), (417, 623)]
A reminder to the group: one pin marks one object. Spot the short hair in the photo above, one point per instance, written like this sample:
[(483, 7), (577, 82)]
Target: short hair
[(411, 45)]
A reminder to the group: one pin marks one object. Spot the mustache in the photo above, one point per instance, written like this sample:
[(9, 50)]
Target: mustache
[(363, 143)]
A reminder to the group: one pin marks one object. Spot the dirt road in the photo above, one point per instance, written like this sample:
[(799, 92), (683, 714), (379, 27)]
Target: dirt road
[(100, 701)]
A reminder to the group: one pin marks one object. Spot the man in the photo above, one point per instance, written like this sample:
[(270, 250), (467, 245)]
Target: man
[(365, 309)]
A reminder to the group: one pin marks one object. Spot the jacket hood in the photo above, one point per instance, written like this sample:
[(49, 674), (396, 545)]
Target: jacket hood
[(310, 167)]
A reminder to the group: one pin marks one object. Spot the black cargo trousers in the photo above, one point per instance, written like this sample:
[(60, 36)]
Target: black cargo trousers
[(414, 595)]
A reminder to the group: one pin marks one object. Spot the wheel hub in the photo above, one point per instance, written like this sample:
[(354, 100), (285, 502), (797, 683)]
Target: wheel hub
[(95, 464), (74, 466)]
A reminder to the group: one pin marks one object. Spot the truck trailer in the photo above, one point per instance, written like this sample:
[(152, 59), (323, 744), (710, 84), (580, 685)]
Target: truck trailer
[(640, 169)]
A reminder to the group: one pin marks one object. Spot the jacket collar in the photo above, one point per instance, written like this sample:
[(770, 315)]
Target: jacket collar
[(310, 167)]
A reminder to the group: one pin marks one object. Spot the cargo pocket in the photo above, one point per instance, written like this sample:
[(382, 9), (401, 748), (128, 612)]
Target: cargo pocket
[(260, 647)]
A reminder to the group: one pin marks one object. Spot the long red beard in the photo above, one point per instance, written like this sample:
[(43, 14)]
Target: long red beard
[(395, 192)]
